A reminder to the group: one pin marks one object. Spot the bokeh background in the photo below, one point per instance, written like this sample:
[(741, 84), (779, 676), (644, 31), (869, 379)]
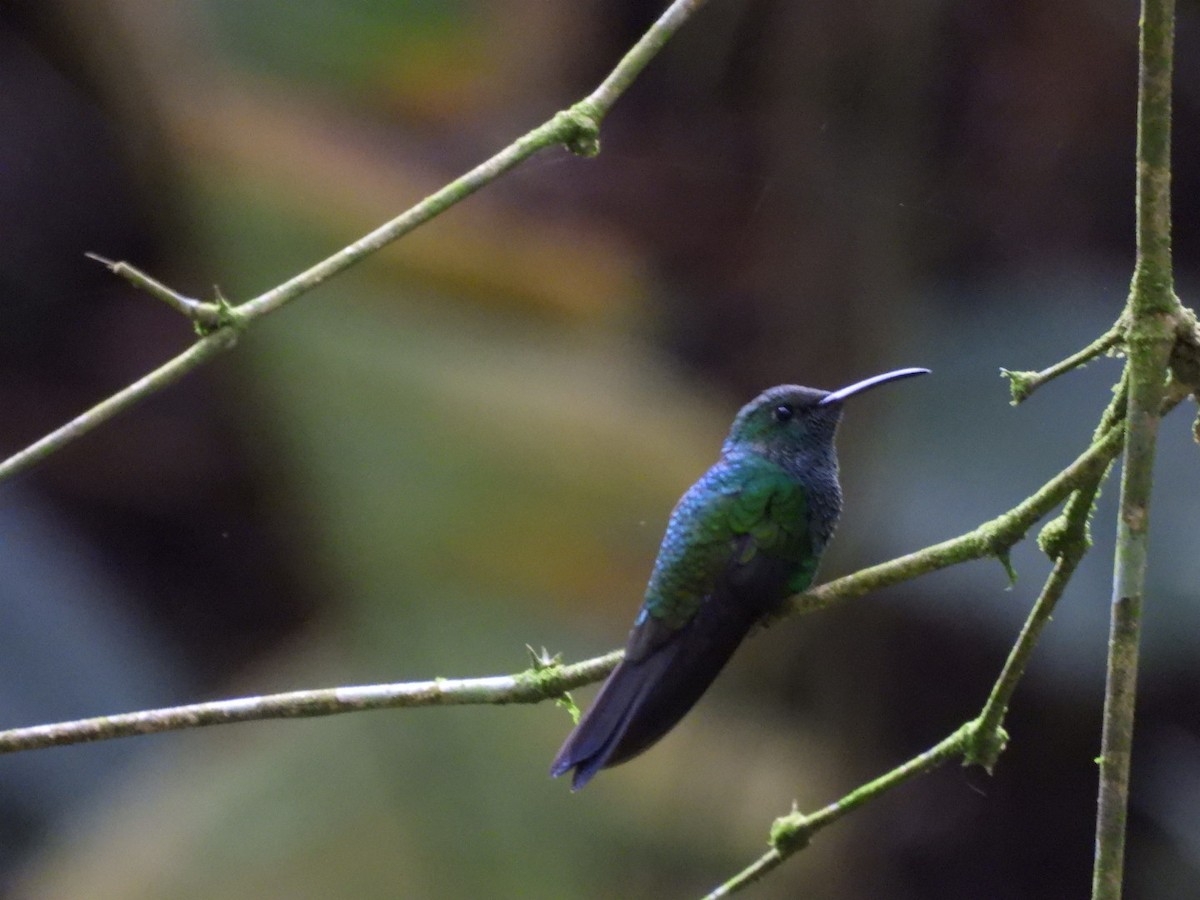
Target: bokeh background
[(472, 441)]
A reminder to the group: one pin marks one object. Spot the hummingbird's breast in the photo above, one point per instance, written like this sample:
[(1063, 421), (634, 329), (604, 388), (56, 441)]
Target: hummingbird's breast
[(816, 473)]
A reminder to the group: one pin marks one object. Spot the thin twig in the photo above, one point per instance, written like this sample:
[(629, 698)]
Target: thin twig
[(791, 833), (298, 704), (988, 738), (194, 356), (1022, 384), (993, 538), (576, 128), (600, 101), (1064, 539), (981, 740), (542, 682), (206, 315)]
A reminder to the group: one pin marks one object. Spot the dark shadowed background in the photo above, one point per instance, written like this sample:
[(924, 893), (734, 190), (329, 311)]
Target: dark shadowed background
[(472, 441)]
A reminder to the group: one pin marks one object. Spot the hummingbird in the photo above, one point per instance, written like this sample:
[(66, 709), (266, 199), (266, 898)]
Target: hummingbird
[(742, 539)]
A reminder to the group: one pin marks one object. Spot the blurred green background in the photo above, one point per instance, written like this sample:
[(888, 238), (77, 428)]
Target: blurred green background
[(471, 442)]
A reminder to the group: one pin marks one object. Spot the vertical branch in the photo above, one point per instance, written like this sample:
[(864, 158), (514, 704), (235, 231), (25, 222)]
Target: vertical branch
[(1152, 313)]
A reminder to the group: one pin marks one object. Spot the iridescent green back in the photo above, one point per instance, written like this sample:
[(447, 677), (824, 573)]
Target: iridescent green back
[(744, 512)]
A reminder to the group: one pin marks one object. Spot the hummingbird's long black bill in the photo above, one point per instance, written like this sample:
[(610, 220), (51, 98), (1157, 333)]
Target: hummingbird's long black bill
[(867, 383)]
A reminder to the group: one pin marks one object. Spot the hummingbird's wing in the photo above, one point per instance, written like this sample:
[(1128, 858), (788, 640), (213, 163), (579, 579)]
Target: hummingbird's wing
[(736, 545), (732, 529)]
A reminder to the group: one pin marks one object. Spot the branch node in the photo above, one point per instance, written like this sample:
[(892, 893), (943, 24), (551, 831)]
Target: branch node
[(201, 314), (540, 660), (580, 128), (1069, 534), (1020, 384), (791, 832), (1056, 535), (224, 317), (982, 745), (545, 675)]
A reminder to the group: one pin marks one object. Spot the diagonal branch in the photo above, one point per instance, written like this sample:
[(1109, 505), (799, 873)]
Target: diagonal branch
[(550, 679), (791, 833), (981, 740), (165, 375), (993, 538), (576, 128), (206, 315), (1022, 384)]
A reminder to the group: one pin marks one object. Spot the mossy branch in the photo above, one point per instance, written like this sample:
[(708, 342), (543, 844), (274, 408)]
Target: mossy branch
[(576, 128), (994, 538), (791, 833), (1023, 384), (1158, 334), (980, 741), (1156, 324), (548, 679), (544, 680), (977, 742)]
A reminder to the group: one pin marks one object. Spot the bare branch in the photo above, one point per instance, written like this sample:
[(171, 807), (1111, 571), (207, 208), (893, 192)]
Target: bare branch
[(205, 315), (576, 128), (1023, 384), (1155, 317), (543, 681)]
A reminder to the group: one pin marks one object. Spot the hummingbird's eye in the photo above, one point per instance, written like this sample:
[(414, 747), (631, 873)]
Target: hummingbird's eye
[(783, 412)]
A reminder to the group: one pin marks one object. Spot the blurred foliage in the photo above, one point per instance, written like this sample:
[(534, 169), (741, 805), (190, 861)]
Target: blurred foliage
[(348, 46), (473, 440)]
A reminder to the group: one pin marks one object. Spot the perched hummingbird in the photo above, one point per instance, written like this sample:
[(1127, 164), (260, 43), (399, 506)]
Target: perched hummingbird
[(743, 538)]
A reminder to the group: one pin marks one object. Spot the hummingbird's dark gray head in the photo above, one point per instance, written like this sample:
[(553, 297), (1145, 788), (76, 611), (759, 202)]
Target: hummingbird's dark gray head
[(784, 418), (790, 418)]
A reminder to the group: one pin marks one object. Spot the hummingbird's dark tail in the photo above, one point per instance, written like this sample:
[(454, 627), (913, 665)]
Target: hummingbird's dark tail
[(650, 691)]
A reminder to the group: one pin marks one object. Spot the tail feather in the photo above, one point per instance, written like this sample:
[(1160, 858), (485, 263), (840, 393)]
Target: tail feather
[(598, 736), (644, 698)]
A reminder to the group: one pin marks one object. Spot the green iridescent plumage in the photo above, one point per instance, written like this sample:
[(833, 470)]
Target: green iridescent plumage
[(744, 537), (735, 512)]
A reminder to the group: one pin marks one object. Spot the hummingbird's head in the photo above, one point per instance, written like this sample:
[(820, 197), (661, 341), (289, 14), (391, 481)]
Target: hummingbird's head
[(785, 418), (790, 418)]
